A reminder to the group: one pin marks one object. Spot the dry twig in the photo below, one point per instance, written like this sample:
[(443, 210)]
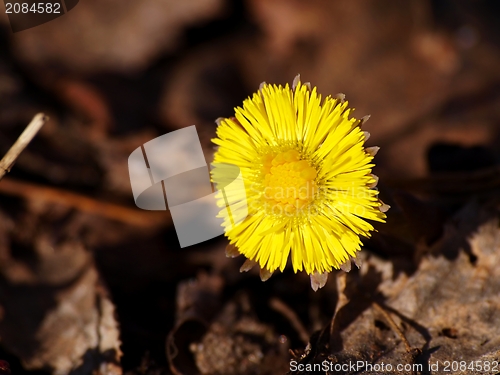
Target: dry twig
[(82, 203), (24, 139), (394, 326), (342, 301), (282, 308)]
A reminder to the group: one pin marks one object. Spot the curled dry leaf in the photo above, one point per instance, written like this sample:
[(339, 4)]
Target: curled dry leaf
[(227, 340), (56, 313), (439, 320), (238, 343), (197, 303)]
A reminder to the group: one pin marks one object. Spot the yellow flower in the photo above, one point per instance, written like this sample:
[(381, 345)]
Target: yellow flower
[(308, 187)]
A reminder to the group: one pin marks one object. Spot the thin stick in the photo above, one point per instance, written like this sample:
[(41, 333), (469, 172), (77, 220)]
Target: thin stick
[(24, 139), (342, 300), (10, 186), (279, 306), (393, 325)]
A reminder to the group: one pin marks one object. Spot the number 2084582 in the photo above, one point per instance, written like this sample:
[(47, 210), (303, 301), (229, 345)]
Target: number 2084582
[(39, 8)]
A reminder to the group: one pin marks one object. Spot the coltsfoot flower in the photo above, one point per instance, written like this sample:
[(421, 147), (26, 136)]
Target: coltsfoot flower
[(308, 187)]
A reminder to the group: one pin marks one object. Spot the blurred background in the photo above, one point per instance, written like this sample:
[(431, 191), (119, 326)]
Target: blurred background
[(91, 283)]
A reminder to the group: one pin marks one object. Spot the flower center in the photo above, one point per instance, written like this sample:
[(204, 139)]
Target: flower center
[(289, 183)]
